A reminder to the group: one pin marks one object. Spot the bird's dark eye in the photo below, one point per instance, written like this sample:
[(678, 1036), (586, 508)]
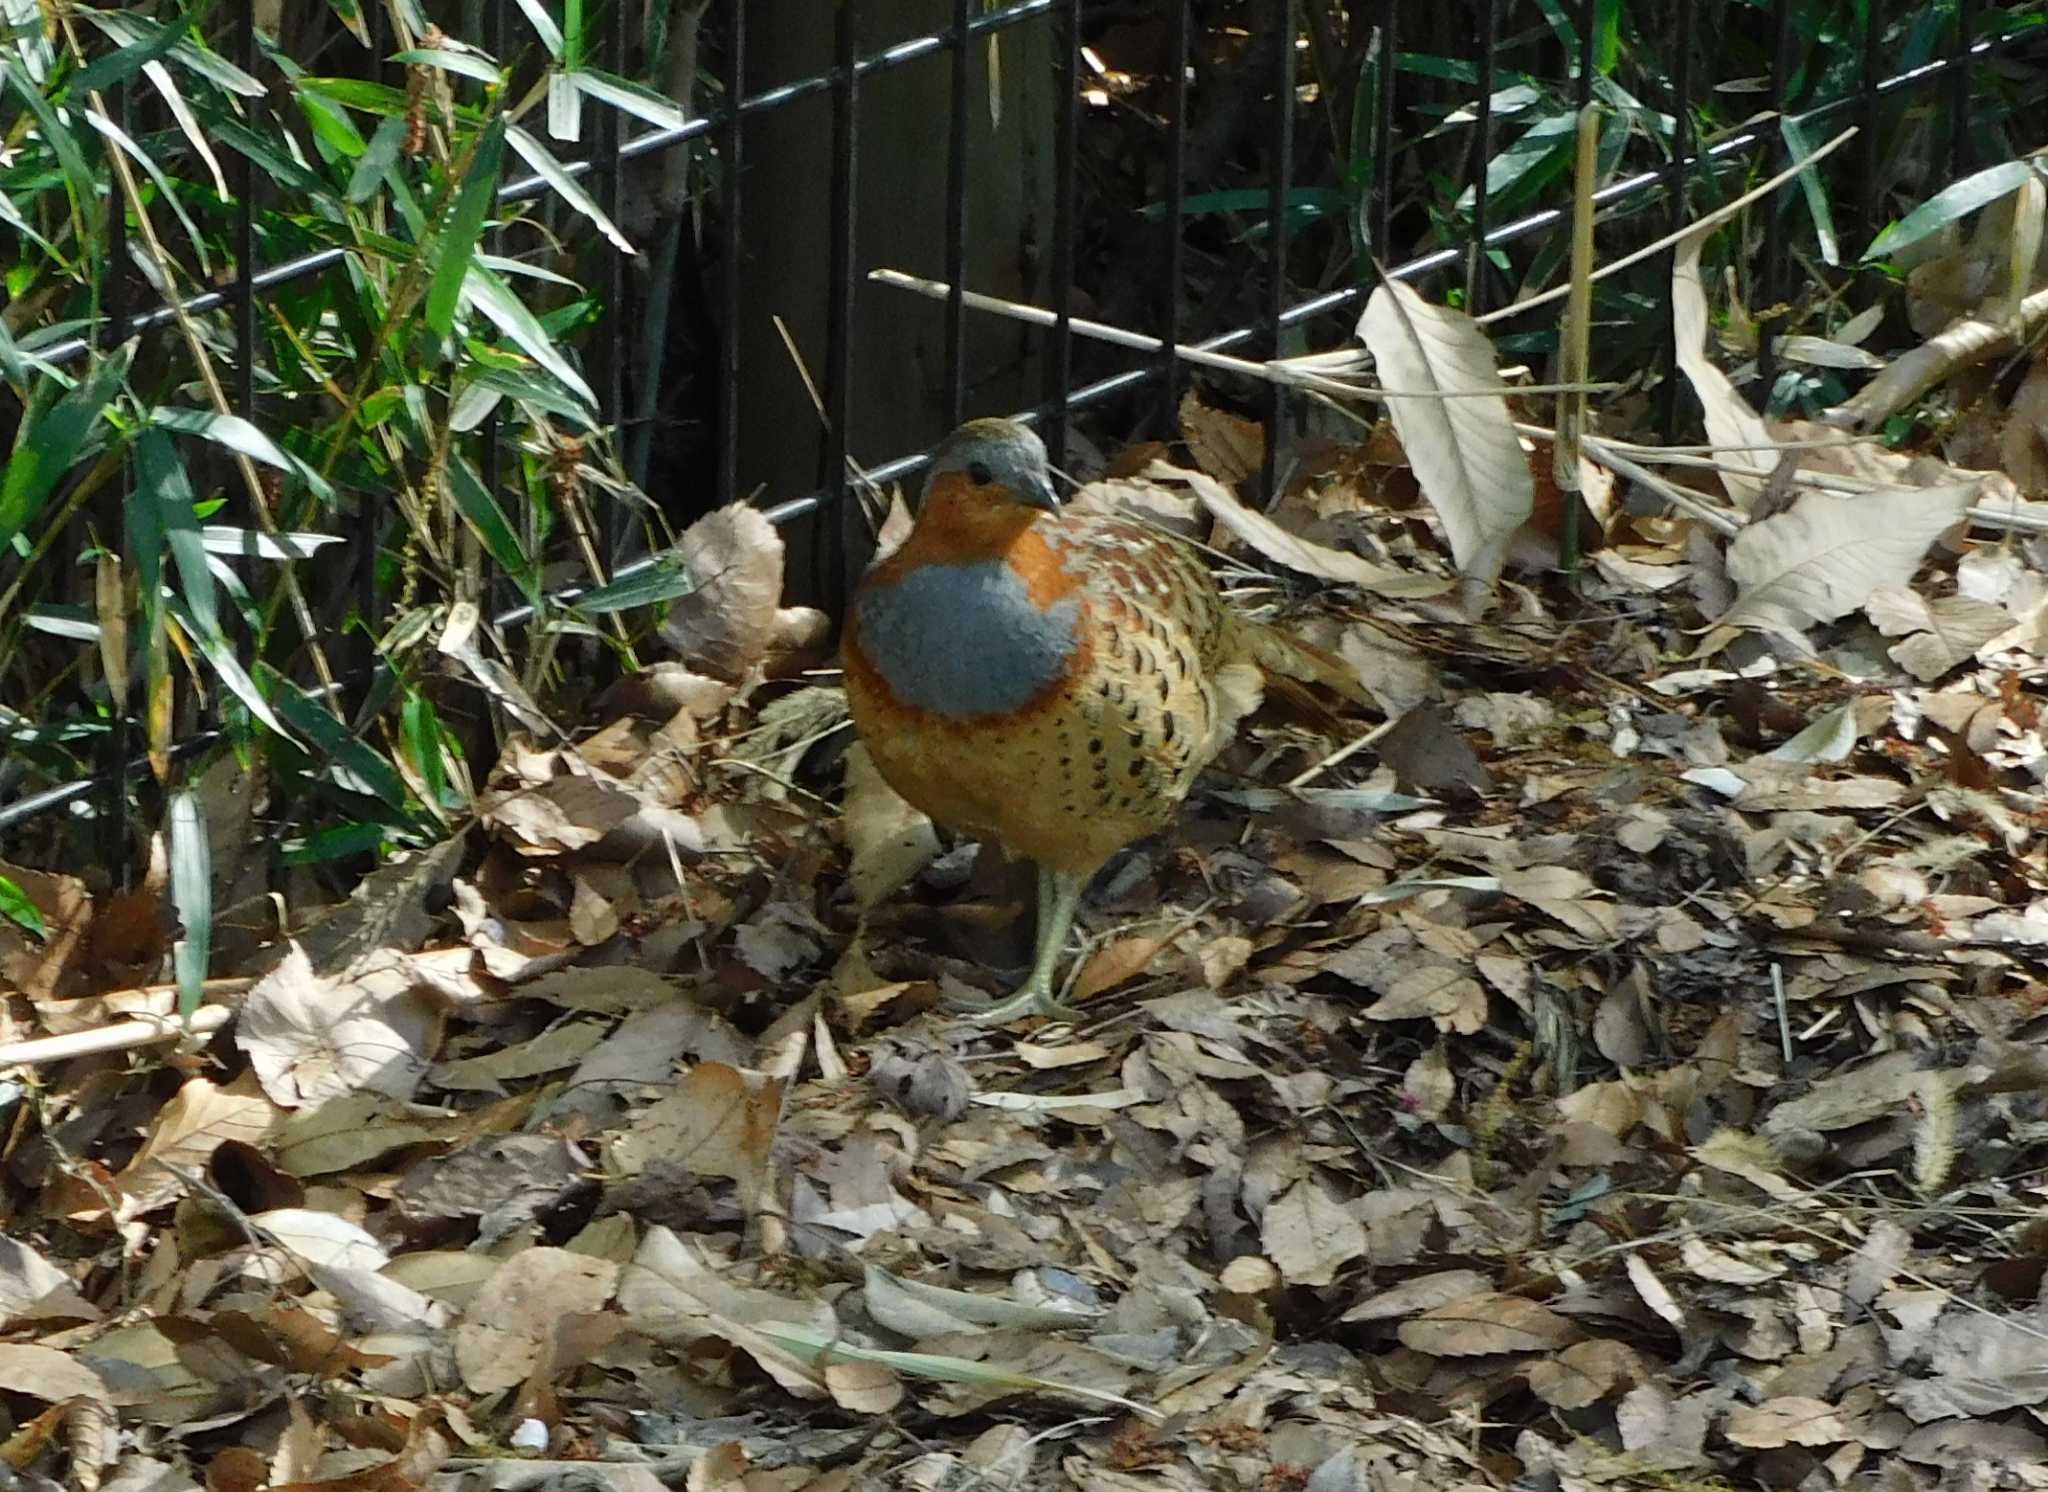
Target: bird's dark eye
[(979, 474)]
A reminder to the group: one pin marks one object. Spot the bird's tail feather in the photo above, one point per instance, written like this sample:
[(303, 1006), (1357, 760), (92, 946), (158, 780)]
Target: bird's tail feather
[(1288, 657)]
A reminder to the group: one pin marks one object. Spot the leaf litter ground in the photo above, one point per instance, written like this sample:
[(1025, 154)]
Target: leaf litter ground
[(1621, 1066)]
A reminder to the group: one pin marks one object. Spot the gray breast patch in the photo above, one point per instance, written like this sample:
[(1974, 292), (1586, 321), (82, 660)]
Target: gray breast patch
[(965, 640)]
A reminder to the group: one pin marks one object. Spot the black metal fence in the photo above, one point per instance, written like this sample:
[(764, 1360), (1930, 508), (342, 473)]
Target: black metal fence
[(1961, 43)]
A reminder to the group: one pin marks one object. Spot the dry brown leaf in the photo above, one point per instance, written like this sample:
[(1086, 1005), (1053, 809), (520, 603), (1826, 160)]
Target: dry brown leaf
[(1423, 1293), (1781, 1422), (720, 1121), (726, 624), (507, 1330), (312, 1038), (889, 841), (1226, 446), (1585, 1373), (1308, 1236), (1118, 961), (1278, 545), (1486, 1323)]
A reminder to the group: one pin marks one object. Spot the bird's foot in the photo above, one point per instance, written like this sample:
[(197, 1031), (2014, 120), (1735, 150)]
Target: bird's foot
[(1032, 999)]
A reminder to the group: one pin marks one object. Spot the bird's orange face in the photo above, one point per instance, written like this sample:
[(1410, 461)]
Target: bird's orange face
[(965, 521)]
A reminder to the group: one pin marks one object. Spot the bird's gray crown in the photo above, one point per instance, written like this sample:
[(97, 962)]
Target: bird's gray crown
[(998, 452)]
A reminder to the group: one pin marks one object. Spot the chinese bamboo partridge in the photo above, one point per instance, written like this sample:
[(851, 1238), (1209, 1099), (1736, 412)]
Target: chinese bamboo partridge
[(1050, 679)]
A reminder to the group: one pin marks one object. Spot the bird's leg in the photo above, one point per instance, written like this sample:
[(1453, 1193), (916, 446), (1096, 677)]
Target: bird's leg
[(1059, 893)]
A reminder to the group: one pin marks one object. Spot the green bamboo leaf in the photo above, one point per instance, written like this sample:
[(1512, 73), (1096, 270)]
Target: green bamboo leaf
[(1800, 144), (357, 768), (72, 623), (487, 293), (456, 246), (78, 176), (118, 67), (249, 543), (214, 647), (480, 510), (1954, 201), (543, 26), (18, 909), (662, 581), (181, 111), (350, 14), (355, 93), (160, 472), (142, 158), (632, 98), (270, 157), (51, 438), (550, 170), (373, 168), (238, 435), (19, 224), (483, 386), (449, 59), (127, 28), (192, 895), (13, 366), (420, 728)]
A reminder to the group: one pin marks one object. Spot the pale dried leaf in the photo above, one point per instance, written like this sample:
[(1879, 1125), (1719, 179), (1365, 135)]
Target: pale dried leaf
[(1284, 548), (1585, 1373), (1824, 556), (725, 624), (1780, 1422), (1308, 1236), (888, 840), (1423, 1293), (1464, 450), (1741, 441), (509, 1327), (311, 1038)]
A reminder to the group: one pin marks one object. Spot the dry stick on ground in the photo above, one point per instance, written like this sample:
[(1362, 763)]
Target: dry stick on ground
[(136, 1031)]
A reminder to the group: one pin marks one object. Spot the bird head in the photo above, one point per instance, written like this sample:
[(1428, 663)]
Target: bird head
[(999, 453)]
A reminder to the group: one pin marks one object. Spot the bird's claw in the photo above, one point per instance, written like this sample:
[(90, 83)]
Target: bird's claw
[(1027, 1001)]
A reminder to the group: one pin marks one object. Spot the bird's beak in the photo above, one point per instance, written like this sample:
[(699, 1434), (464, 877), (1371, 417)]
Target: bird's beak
[(1042, 494)]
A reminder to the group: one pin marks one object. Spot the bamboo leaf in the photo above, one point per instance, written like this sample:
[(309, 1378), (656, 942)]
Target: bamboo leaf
[(456, 248), (1955, 201), (48, 443), (552, 171), (192, 895)]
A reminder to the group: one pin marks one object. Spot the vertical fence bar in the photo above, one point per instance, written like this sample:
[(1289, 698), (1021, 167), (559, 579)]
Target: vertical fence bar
[(1380, 211), (115, 304), (613, 338), (1681, 150), (1960, 155), (489, 470), (1278, 189), (1772, 279), (245, 226), (834, 553), (1176, 214), (730, 242), (960, 51), (370, 498), (1482, 157), (1059, 354), (1589, 16), (1867, 117)]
